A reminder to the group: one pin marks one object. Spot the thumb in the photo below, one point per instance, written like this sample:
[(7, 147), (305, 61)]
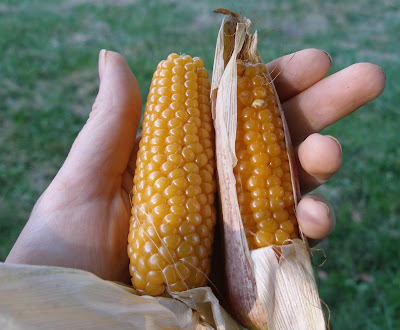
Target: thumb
[(105, 142)]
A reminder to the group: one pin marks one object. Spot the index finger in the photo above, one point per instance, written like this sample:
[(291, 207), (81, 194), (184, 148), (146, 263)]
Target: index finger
[(298, 71)]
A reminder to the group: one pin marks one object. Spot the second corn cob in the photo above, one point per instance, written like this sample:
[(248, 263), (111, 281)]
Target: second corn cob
[(263, 179), (173, 213), (270, 283)]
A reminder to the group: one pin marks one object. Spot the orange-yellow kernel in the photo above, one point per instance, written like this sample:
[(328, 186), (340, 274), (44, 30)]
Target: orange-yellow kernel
[(171, 191), (160, 211), (245, 98), (139, 281), (184, 250), (273, 149), (256, 147), (251, 125), (180, 183), (276, 205), (177, 200), (254, 183), (257, 205), (288, 199), (276, 192), (250, 71), (202, 73), (275, 162), (172, 241), (281, 236), (264, 238), (287, 226), (169, 255), (251, 137), (262, 171), (270, 225), (259, 92), (168, 166), (268, 127), (170, 275), (154, 289), (148, 249), (203, 231), (195, 219), (193, 206), (167, 230), (281, 216), (193, 191), (155, 277), (273, 181), (193, 239), (261, 215), (259, 193), (173, 220), (259, 160), (178, 70), (178, 210), (258, 81)]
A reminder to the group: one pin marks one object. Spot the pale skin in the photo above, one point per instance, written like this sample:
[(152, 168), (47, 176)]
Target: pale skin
[(82, 218)]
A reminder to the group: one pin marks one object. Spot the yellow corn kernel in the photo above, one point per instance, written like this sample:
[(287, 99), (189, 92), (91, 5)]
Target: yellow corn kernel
[(263, 180), (173, 213)]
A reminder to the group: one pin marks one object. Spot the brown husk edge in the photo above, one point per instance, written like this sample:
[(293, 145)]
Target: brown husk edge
[(262, 291)]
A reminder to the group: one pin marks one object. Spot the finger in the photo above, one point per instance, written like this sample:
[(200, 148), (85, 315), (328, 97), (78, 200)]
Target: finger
[(105, 142), (332, 99), (315, 217), (296, 72), (319, 158)]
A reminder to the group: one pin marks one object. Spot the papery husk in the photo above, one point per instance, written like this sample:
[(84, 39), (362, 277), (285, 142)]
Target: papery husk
[(44, 297), (264, 291)]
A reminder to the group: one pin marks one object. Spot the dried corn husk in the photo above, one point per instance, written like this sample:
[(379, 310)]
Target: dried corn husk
[(263, 290), (44, 297)]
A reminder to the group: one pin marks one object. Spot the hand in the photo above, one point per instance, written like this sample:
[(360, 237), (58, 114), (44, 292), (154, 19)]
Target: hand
[(311, 103), (82, 218)]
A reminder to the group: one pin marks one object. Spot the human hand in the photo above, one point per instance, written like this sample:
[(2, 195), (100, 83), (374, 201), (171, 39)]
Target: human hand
[(82, 218)]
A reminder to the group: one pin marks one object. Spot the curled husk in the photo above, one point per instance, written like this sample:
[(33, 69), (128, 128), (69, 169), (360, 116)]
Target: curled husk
[(272, 287)]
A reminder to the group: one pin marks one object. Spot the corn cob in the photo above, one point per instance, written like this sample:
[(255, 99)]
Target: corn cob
[(263, 179), (173, 213)]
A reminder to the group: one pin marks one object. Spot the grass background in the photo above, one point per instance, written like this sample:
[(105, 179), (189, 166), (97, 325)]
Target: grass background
[(48, 82)]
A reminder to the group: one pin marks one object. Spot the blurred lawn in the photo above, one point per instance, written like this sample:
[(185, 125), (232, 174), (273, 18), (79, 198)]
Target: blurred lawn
[(48, 82)]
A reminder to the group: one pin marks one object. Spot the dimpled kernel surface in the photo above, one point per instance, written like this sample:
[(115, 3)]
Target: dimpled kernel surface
[(173, 213), (263, 180)]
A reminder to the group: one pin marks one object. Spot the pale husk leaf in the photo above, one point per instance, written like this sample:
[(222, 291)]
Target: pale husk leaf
[(45, 297), (287, 287), (240, 279), (262, 290)]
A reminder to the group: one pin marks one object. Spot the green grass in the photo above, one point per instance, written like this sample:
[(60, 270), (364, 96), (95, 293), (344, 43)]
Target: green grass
[(48, 79)]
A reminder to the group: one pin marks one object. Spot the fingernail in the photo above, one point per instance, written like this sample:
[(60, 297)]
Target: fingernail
[(329, 56), (337, 142), (326, 207), (102, 62)]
